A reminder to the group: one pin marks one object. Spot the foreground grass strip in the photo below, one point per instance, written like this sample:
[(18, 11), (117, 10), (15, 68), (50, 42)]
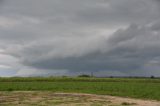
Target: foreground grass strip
[(37, 98)]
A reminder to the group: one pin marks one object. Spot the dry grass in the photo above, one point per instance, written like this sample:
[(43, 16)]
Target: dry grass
[(31, 98)]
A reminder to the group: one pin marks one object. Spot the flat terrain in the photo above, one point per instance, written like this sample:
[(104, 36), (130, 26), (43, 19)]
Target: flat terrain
[(141, 88), (32, 98)]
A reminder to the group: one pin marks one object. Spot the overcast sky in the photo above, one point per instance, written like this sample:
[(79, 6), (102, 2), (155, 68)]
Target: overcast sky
[(71, 37)]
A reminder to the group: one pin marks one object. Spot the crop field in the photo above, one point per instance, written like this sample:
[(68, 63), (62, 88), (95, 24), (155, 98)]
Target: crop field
[(143, 88)]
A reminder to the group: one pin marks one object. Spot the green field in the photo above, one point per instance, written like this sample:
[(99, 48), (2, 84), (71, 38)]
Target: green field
[(144, 88)]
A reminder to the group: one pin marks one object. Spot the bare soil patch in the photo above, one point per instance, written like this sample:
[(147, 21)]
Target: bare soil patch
[(31, 98)]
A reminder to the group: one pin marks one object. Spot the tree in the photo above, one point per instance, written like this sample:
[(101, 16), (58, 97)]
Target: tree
[(84, 75), (152, 77)]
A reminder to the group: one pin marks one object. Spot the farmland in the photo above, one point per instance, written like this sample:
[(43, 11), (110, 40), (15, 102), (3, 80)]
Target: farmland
[(143, 88)]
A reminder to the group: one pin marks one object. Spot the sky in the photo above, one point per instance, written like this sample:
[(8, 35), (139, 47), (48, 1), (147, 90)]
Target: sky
[(72, 37)]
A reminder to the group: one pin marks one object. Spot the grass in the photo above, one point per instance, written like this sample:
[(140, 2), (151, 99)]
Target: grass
[(143, 88), (76, 79), (51, 99)]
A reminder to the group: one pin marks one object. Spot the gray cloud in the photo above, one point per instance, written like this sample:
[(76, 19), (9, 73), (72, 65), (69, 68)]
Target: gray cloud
[(71, 37), (126, 49)]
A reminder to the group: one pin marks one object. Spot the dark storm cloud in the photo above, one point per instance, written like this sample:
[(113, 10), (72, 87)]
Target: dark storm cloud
[(68, 37), (128, 49), (1, 1), (156, 26)]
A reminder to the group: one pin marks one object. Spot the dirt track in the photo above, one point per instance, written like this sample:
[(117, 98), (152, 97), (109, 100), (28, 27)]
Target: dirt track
[(68, 99)]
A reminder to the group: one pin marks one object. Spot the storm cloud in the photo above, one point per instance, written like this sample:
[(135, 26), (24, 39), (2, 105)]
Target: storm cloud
[(70, 37)]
